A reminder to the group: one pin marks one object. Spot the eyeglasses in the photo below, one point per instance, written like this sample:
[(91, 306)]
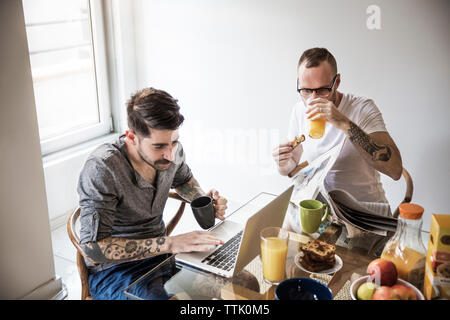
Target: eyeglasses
[(321, 92)]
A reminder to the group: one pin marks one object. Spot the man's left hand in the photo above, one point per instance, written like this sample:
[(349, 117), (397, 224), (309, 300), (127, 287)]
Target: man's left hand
[(320, 108), (219, 203)]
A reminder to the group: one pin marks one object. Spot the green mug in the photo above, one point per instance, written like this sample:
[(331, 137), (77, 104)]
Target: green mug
[(312, 214)]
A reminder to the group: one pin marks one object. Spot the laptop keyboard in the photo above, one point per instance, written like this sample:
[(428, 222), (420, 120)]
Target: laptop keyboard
[(225, 256)]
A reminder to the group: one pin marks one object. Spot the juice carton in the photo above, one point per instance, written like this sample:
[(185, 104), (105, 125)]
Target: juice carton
[(437, 268)]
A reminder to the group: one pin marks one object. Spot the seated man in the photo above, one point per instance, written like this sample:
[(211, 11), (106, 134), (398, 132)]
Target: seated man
[(368, 147), (123, 188)]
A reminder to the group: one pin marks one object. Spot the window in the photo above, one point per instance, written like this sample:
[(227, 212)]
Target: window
[(66, 42)]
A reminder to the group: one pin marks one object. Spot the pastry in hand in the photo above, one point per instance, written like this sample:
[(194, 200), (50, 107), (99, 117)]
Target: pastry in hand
[(297, 141)]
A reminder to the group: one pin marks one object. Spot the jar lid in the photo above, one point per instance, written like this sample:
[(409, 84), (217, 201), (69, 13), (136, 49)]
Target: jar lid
[(410, 211)]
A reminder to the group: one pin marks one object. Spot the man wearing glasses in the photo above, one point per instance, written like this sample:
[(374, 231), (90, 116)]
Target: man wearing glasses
[(368, 148)]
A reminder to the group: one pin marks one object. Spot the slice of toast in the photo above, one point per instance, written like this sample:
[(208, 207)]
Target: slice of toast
[(315, 266), (319, 251)]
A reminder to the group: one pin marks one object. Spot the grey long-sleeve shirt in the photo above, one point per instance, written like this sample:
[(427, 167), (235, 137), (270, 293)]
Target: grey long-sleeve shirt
[(115, 201)]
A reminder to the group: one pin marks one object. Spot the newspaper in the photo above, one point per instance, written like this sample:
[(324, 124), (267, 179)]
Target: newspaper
[(358, 217)]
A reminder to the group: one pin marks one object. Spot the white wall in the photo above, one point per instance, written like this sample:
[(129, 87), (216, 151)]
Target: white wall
[(232, 65), (26, 264)]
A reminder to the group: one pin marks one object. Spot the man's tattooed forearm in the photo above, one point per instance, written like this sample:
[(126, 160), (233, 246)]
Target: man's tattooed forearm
[(123, 250), (190, 190), (376, 151)]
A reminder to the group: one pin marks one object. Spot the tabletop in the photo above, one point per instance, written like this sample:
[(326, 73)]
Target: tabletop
[(180, 282)]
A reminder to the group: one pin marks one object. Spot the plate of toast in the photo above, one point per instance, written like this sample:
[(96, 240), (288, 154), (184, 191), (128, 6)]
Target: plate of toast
[(317, 256)]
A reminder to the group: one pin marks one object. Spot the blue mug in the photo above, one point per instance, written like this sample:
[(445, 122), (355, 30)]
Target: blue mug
[(302, 289)]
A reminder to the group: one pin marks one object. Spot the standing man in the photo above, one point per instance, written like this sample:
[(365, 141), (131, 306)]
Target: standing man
[(368, 148), (123, 188)]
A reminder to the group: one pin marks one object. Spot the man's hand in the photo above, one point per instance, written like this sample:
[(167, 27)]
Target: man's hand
[(286, 157), (193, 241), (377, 148), (219, 203), (320, 108)]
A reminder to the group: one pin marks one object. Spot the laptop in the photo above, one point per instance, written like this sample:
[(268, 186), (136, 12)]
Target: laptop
[(241, 242)]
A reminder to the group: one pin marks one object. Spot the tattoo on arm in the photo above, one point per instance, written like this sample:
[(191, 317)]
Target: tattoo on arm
[(124, 250), (376, 151), (190, 190)]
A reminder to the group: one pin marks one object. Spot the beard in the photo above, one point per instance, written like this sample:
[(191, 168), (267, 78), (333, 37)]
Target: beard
[(159, 165)]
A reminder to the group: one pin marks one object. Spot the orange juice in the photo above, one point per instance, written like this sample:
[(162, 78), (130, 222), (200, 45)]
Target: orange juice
[(405, 249), (273, 256), (317, 128), (410, 263)]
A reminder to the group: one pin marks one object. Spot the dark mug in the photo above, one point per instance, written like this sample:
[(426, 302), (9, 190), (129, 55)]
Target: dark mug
[(203, 210)]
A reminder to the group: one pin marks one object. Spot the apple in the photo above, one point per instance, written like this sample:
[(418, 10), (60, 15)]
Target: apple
[(384, 293), (383, 272), (366, 290), (403, 292)]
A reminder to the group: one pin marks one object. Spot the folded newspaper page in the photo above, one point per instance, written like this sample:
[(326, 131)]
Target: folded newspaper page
[(369, 216), (307, 184)]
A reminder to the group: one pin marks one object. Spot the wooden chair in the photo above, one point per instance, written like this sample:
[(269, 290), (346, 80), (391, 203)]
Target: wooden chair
[(81, 256), (409, 191)]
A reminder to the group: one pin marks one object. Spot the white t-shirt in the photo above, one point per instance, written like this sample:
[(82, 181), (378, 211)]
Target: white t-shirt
[(350, 171)]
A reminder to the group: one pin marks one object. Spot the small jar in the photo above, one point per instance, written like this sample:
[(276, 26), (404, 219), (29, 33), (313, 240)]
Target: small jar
[(405, 249)]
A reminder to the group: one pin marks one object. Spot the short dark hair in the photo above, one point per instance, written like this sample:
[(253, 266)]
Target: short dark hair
[(155, 109), (315, 56)]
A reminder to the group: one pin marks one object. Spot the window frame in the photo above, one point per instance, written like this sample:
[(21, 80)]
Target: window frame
[(105, 124)]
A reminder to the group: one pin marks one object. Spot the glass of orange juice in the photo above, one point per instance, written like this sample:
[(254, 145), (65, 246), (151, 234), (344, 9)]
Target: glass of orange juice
[(274, 246), (317, 128)]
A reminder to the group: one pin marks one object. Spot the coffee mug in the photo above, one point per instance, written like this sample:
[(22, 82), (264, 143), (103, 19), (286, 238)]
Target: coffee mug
[(312, 214), (204, 212)]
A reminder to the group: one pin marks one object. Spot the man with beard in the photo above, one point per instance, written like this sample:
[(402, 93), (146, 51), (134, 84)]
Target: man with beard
[(123, 188)]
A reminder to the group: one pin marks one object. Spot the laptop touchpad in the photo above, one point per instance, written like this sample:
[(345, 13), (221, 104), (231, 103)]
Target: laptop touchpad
[(226, 230)]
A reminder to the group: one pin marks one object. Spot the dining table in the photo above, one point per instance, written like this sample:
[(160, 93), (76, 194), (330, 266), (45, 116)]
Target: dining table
[(180, 282)]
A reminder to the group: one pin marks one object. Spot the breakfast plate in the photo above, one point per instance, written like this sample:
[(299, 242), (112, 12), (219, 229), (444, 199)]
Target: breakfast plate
[(337, 265)]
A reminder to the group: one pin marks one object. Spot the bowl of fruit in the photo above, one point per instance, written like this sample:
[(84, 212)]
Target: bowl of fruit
[(383, 283)]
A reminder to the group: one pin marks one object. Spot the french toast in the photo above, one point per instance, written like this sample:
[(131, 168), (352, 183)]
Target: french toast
[(319, 250), (315, 266), (317, 255)]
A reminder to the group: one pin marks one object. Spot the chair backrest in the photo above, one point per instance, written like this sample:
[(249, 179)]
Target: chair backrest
[(81, 264), (409, 190), (73, 234)]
